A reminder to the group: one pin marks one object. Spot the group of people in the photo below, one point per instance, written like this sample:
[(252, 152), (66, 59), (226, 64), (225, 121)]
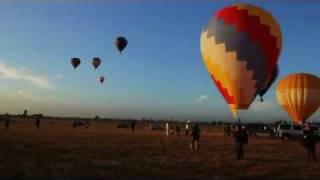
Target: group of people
[(238, 131), (194, 134), (241, 138), (7, 119)]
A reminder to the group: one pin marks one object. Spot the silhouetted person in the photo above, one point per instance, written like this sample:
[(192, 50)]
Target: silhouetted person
[(187, 129), (178, 130), (25, 113), (87, 124), (167, 128), (6, 121), (133, 126), (171, 130), (227, 130), (309, 142), (195, 137), (241, 138), (38, 120)]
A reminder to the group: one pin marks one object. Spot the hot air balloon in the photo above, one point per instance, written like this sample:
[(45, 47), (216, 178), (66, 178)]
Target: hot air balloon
[(75, 62), (96, 62), (269, 83), (121, 43), (240, 48), (299, 95), (101, 79)]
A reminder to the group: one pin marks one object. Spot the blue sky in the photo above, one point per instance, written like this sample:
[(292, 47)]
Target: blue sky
[(160, 74)]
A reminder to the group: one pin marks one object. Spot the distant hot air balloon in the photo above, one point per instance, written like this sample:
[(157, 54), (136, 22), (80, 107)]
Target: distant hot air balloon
[(101, 79), (121, 43), (269, 83), (240, 48), (299, 95), (96, 62), (75, 62)]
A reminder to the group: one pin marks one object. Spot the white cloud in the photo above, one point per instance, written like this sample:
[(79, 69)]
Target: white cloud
[(19, 74), (29, 95), (202, 98), (26, 94)]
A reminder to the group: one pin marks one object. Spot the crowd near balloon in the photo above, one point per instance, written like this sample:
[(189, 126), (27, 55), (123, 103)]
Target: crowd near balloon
[(120, 43)]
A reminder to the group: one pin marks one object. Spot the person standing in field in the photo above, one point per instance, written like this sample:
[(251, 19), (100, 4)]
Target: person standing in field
[(87, 124), (171, 129), (38, 120), (241, 138), (6, 121), (167, 128), (309, 142), (227, 130), (195, 137), (133, 126), (178, 130), (187, 129)]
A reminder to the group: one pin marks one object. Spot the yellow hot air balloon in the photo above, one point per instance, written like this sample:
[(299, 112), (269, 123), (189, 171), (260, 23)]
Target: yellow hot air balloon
[(299, 95), (240, 47)]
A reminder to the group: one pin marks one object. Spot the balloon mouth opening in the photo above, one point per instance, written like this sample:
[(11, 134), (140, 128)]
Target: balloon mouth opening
[(261, 99), (236, 107), (234, 113)]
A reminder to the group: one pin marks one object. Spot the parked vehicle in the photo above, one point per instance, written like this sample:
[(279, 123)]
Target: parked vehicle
[(155, 127), (289, 131), (293, 131), (259, 129)]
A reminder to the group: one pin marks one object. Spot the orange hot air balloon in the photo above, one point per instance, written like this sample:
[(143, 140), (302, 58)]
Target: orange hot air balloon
[(299, 95), (240, 47)]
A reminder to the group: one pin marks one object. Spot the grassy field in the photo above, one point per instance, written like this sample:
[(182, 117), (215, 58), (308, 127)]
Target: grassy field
[(57, 150)]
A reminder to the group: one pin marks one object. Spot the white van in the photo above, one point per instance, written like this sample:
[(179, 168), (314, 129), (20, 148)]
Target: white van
[(293, 131), (289, 131)]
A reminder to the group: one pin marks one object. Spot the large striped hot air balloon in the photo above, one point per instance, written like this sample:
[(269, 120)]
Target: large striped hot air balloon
[(299, 95), (240, 48)]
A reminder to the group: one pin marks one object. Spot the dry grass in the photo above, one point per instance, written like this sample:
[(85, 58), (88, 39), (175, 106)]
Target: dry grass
[(57, 150)]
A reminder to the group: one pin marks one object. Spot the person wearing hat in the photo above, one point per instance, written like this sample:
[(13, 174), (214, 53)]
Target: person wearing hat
[(309, 142), (195, 137), (241, 138)]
